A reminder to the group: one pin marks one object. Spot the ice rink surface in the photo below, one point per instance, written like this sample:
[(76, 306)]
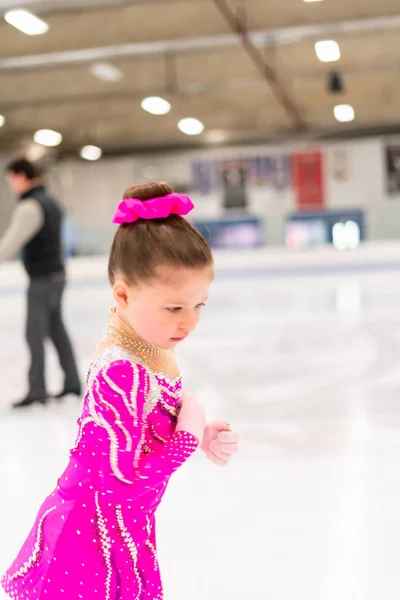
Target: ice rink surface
[(307, 366)]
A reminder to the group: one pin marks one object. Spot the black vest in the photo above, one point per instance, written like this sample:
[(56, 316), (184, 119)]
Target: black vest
[(43, 255)]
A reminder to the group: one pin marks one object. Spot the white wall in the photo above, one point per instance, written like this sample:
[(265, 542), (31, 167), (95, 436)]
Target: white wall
[(365, 187), (102, 185), (91, 191)]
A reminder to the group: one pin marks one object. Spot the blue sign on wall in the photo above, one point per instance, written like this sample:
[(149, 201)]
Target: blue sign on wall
[(343, 228), (231, 233)]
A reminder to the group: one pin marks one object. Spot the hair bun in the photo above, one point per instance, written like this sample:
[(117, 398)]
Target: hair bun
[(148, 191), (141, 246)]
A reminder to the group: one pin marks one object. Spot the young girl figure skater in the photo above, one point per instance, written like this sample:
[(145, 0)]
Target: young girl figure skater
[(94, 536)]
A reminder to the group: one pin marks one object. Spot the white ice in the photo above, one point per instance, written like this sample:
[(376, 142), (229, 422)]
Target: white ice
[(308, 369)]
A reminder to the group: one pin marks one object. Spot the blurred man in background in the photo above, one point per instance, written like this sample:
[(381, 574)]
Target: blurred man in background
[(35, 228)]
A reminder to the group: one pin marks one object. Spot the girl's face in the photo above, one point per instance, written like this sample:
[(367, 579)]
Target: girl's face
[(166, 309)]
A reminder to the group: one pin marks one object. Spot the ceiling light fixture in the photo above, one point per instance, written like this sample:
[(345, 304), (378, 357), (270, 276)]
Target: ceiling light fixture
[(2, 120), (91, 153), (344, 113), (106, 71), (216, 136), (35, 151), (191, 126), (26, 22), (327, 51), (156, 105), (48, 137)]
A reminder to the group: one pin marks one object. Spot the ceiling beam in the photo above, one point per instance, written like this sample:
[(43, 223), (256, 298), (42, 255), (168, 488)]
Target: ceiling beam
[(266, 70), (42, 7), (128, 95), (188, 90), (260, 39)]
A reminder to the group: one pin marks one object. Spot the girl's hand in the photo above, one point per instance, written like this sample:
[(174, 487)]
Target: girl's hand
[(191, 417), (220, 442)]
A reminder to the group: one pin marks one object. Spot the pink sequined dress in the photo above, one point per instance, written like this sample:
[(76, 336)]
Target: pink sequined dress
[(94, 536)]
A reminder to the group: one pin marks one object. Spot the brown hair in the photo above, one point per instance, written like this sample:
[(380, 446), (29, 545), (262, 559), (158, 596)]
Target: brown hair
[(140, 247), (24, 166)]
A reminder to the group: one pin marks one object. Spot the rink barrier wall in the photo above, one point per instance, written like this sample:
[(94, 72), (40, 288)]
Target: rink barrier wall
[(277, 262)]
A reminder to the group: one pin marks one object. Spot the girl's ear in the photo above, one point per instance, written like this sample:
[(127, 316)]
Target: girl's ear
[(121, 293)]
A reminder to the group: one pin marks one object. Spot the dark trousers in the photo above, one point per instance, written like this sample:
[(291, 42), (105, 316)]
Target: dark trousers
[(44, 320)]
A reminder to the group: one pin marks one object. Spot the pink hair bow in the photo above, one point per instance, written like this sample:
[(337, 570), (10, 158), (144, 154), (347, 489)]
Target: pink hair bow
[(132, 209)]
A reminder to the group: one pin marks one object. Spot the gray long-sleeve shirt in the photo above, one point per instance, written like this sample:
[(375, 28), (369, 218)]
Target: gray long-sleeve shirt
[(26, 222)]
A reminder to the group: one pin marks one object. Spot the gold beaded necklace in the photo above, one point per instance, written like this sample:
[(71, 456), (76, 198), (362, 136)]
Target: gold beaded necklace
[(120, 333)]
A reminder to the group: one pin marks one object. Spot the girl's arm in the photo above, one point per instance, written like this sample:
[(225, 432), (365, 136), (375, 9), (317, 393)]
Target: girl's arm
[(119, 403)]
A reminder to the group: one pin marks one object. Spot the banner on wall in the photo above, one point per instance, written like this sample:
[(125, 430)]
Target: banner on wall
[(234, 183), (255, 172), (270, 171), (393, 169), (235, 176), (339, 164), (203, 176), (308, 180)]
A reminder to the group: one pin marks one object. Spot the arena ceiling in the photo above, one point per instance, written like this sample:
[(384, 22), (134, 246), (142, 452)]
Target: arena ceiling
[(247, 69)]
